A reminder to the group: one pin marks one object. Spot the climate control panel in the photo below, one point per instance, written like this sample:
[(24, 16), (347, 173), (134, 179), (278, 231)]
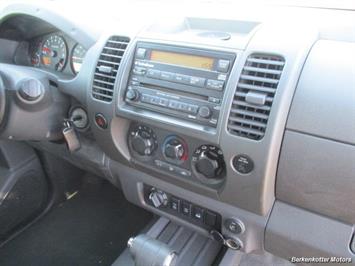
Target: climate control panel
[(176, 155)]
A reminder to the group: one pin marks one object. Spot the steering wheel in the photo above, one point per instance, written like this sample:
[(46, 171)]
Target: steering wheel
[(30, 107), (2, 100)]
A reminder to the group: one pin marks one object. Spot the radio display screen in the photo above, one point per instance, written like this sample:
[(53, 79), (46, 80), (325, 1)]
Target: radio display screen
[(179, 59)]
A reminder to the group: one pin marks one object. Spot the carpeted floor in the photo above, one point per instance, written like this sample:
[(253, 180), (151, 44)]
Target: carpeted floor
[(92, 228)]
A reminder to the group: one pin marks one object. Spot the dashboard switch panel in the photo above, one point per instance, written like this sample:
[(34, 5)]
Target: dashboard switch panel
[(183, 209)]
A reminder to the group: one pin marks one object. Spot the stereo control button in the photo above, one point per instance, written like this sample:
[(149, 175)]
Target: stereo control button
[(204, 112), (145, 98), (152, 73), (173, 104), (223, 65), (139, 71), (163, 102), (168, 76), (140, 53), (214, 100), (215, 84), (196, 81), (183, 79), (192, 109), (154, 100)]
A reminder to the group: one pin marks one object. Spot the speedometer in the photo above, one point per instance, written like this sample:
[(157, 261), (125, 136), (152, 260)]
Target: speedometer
[(54, 53), (77, 58)]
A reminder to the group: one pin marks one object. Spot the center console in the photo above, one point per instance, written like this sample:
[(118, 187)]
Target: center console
[(186, 85)]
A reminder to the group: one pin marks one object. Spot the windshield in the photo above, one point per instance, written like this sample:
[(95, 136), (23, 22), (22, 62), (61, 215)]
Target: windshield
[(328, 4)]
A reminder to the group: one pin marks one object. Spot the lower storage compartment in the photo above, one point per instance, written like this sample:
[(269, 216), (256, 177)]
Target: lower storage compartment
[(299, 235)]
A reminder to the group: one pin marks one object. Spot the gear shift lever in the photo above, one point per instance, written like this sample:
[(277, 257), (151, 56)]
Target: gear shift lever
[(148, 251)]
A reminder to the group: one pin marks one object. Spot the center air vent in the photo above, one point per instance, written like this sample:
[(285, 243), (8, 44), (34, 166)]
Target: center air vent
[(107, 68), (254, 95)]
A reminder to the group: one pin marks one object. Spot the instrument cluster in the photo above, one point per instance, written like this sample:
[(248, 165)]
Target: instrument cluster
[(56, 52)]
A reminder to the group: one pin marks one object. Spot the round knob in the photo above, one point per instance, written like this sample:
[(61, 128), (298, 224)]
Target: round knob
[(158, 198), (208, 162), (175, 149), (142, 145), (143, 141), (207, 166), (31, 89), (204, 112), (132, 94)]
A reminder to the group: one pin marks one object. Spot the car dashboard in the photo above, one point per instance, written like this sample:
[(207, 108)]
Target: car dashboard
[(235, 124)]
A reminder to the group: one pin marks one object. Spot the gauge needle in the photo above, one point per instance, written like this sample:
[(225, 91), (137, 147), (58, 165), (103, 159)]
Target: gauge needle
[(60, 64)]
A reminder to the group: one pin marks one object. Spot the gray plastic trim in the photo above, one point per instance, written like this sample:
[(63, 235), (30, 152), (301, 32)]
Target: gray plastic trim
[(255, 191), (324, 104), (317, 174), (293, 232)]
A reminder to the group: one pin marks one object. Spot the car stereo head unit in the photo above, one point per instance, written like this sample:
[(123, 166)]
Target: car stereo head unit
[(187, 83)]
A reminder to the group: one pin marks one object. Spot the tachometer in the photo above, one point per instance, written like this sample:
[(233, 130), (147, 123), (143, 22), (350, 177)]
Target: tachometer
[(55, 53), (77, 58)]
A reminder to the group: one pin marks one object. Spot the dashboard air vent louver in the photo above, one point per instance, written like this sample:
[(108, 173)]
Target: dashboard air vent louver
[(107, 68), (254, 95)]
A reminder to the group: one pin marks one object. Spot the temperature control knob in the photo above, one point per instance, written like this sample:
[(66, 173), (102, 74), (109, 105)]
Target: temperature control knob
[(208, 162), (175, 149), (143, 141), (158, 198)]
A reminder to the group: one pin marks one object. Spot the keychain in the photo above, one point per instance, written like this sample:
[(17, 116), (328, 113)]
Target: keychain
[(70, 136)]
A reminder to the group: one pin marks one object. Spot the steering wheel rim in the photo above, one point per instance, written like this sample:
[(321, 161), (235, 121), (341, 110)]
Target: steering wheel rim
[(2, 100)]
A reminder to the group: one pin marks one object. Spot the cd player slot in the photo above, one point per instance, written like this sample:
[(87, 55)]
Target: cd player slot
[(174, 91)]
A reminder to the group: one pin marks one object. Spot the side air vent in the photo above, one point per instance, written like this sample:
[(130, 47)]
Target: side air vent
[(254, 95), (107, 68)]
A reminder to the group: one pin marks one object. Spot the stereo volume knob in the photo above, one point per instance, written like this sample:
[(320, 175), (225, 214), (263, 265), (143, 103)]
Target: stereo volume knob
[(204, 112), (158, 198), (132, 94)]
